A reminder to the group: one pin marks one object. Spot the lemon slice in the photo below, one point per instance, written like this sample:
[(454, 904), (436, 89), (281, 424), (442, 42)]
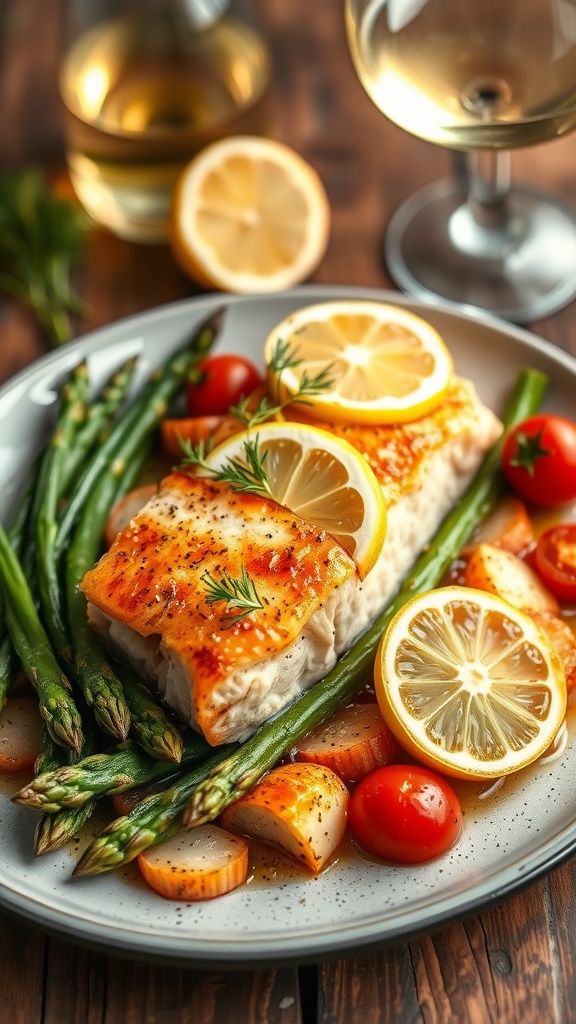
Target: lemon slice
[(249, 215), (386, 365), (321, 478), (468, 684)]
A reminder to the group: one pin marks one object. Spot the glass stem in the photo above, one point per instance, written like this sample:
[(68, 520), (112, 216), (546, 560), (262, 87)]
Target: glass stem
[(489, 187)]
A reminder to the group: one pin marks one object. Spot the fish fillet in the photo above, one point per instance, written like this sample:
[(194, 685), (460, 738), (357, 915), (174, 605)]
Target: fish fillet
[(147, 594)]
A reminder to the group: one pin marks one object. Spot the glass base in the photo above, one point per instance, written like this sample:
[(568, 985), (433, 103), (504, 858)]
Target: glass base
[(523, 270)]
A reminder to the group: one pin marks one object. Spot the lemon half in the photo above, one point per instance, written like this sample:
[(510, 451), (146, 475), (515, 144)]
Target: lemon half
[(249, 215)]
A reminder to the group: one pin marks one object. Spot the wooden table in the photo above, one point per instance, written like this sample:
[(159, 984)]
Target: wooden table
[(514, 963)]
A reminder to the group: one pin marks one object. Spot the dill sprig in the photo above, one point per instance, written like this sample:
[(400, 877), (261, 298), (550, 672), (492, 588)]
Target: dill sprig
[(248, 476), (195, 454), (237, 593), (285, 357)]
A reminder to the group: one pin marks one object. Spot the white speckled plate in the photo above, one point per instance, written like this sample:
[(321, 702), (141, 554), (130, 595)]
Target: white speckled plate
[(523, 832)]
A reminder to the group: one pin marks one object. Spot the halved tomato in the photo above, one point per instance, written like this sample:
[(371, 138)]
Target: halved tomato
[(555, 558)]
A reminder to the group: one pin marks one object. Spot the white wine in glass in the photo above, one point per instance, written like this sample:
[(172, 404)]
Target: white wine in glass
[(481, 77), (145, 85)]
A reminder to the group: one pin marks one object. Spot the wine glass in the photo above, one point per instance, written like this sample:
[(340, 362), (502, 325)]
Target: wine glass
[(145, 85), (481, 77)]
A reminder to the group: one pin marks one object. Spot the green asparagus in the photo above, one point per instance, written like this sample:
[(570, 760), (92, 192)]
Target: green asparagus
[(139, 421), (98, 422), (35, 652), (155, 732), (50, 756), (55, 830), (101, 687), (45, 508), (19, 540), (123, 768), (152, 821)]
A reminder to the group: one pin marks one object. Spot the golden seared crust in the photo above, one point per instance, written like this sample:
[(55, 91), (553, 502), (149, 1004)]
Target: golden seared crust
[(399, 454), (151, 578)]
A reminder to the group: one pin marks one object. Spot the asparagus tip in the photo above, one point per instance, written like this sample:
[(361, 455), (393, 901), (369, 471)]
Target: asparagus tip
[(67, 735), (54, 830), (113, 718), (205, 803), (29, 797), (166, 746), (97, 858)]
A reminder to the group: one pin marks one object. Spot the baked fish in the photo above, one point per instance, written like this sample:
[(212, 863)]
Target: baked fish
[(148, 593)]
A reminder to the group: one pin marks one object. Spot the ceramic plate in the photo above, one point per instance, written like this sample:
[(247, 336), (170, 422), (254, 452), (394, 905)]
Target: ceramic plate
[(508, 841)]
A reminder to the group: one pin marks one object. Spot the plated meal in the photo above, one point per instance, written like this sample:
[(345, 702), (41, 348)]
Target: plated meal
[(291, 613)]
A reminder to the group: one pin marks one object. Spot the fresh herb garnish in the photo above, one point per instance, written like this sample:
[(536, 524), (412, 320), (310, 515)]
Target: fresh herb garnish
[(194, 455), (237, 593), (285, 357), (249, 477), (41, 238)]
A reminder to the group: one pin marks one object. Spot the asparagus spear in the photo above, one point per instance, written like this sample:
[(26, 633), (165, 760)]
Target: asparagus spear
[(140, 420), (36, 655), (155, 819), (154, 731), (244, 768), (51, 756), (161, 816), (45, 507), (116, 771), (102, 689), (55, 830), (17, 535), (96, 425)]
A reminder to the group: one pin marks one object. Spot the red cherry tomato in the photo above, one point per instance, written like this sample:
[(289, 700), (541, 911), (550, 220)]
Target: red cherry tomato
[(539, 459), (222, 381), (555, 558), (405, 814)]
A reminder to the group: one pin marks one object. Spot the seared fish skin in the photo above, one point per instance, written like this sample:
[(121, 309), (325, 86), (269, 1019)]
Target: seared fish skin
[(147, 594), (150, 587)]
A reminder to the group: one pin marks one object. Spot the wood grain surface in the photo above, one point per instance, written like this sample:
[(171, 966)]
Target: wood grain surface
[(514, 963)]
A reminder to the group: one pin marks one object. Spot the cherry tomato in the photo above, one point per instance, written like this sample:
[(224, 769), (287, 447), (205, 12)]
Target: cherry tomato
[(221, 382), (555, 558), (539, 459), (405, 814)]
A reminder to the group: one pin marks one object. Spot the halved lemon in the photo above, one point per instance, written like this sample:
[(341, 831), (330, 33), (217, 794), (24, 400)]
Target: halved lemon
[(386, 364), (468, 684), (321, 478), (249, 215)]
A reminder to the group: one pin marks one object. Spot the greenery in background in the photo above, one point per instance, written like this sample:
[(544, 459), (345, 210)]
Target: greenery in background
[(41, 238)]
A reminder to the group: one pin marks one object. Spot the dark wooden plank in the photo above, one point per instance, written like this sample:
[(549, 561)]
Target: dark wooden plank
[(376, 988), (22, 971), (84, 987), (561, 886), (514, 963)]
